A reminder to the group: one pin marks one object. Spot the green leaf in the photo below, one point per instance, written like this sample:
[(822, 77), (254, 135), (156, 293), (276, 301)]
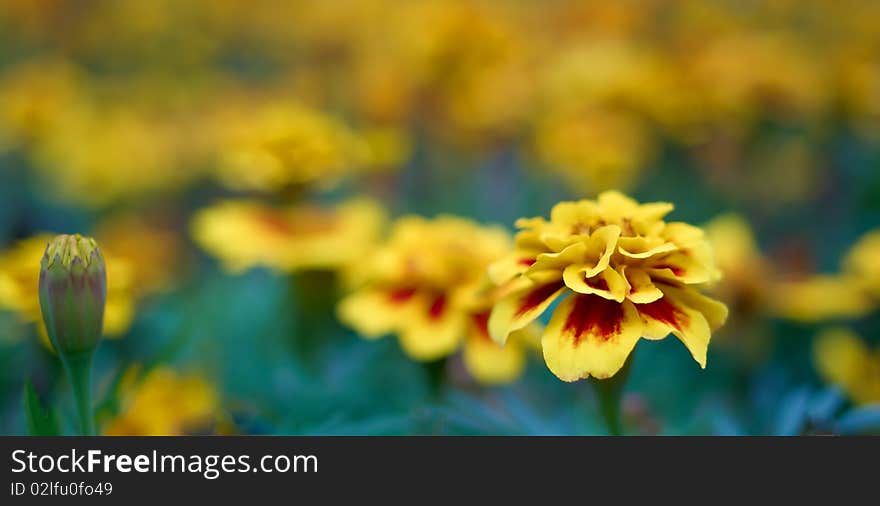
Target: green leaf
[(40, 421)]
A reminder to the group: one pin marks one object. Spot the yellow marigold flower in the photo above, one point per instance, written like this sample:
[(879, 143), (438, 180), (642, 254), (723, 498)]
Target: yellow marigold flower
[(165, 403), (595, 149), (427, 284), (820, 297), (19, 282), (746, 75), (846, 361), (286, 145), (244, 234), (738, 257), (863, 262), (624, 273), (81, 157), (34, 97)]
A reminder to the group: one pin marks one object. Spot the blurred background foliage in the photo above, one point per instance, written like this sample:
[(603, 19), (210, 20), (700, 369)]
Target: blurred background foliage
[(236, 159)]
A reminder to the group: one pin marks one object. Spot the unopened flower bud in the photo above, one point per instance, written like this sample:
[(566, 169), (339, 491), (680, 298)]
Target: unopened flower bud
[(73, 292)]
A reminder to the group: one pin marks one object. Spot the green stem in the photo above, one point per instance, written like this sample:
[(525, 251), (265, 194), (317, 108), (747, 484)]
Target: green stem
[(436, 370), (609, 408), (610, 392), (79, 373)]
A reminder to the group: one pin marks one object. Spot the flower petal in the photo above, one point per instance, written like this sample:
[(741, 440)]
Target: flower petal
[(590, 336), (671, 314), (608, 283), (373, 313), (644, 247), (569, 255), (692, 266), (489, 362), (434, 331), (510, 266), (521, 307), (641, 288)]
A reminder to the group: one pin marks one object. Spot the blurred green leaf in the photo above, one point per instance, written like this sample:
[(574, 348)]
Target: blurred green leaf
[(863, 420), (40, 421)]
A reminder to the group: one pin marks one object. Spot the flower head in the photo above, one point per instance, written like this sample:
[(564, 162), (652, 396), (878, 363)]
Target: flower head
[(624, 274), (843, 359), (245, 234), (286, 145), (164, 403), (427, 284), (73, 292), (862, 262)]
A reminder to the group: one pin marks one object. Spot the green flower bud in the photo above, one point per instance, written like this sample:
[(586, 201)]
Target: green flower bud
[(73, 292)]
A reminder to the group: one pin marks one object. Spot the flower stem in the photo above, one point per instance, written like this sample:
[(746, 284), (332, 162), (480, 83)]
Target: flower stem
[(610, 393), (79, 373)]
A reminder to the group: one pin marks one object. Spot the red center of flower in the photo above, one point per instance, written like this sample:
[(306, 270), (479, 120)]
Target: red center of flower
[(595, 316)]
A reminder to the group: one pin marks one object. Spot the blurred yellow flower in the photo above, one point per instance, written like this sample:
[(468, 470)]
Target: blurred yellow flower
[(19, 277), (165, 403), (843, 359), (34, 97), (287, 145), (625, 273), (427, 284), (863, 263), (245, 233), (819, 298), (742, 76), (103, 154), (595, 150), (737, 255)]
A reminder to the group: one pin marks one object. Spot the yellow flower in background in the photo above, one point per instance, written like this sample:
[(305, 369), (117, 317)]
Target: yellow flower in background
[(34, 98), (286, 145), (843, 359), (244, 234), (852, 293), (596, 149), (624, 273), (165, 403), (19, 277), (104, 154), (737, 255), (863, 263), (743, 76), (820, 297), (427, 284)]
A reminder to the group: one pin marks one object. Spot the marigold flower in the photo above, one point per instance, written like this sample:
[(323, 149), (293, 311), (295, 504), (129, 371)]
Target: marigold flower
[(73, 292), (737, 255), (820, 297), (287, 145), (164, 403), (843, 359), (245, 234), (624, 273), (863, 262), (80, 158), (427, 284)]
